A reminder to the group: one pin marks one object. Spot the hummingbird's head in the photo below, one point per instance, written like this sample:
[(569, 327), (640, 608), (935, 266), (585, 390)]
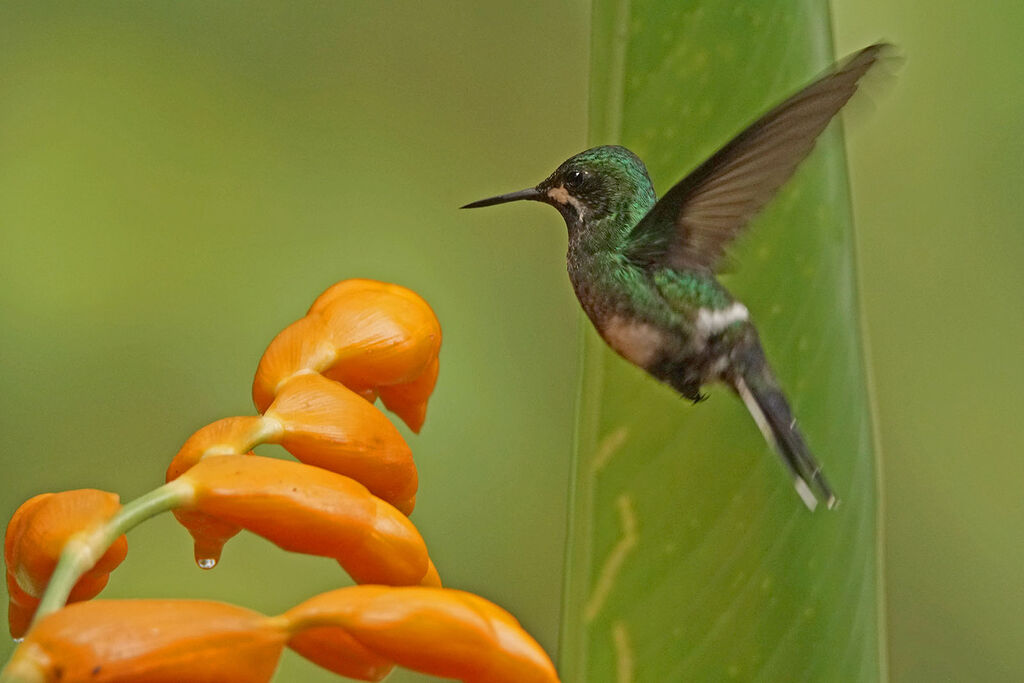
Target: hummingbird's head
[(602, 182)]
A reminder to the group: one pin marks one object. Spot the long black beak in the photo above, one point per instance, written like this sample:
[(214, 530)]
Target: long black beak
[(529, 193)]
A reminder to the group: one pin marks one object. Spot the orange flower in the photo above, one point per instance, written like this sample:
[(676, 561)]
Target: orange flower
[(36, 536), (437, 631), (360, 632), (321, 423), (150, 641), (309, 510), (365, 334)]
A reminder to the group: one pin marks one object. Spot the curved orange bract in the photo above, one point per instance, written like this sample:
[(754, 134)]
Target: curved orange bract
[(36, 536), (151, 641), (409, 401), (365, 334), (335, 650), (360, 632), (327, 425), (229, 436), (438, 631), (309, 510)]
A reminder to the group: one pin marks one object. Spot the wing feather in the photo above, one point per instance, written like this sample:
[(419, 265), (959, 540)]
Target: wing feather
[(691, 226)]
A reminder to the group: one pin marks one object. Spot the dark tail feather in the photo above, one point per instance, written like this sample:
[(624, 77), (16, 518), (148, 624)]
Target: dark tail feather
[(769, 408)]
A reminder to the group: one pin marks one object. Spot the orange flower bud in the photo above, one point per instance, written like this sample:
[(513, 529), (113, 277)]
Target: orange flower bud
[(150, 641), (327, 425), (36, 536), (438, 631), (362, 333), (310, 510)]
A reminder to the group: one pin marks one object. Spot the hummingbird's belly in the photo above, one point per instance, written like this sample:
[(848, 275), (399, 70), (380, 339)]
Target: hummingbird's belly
[(638, 342)]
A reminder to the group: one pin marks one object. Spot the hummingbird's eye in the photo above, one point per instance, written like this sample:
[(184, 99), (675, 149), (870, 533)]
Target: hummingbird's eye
[(574, 179)]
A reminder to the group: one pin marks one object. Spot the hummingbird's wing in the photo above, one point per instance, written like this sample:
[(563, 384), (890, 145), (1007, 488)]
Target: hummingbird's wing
[(691, 225)]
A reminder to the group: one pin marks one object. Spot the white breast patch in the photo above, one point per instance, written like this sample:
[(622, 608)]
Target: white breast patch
[(711, 321)]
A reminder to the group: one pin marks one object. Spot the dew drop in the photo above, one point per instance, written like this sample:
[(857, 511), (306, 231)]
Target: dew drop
[(206, 562)]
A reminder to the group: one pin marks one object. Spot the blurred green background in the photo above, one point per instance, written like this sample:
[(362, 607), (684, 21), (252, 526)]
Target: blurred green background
[(936, 173), (179, 180)]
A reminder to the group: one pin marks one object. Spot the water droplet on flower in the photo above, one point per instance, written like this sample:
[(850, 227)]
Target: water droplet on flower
[(206, 562)]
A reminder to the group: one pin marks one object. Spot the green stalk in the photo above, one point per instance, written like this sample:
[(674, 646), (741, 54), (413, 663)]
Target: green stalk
[(84, 550)]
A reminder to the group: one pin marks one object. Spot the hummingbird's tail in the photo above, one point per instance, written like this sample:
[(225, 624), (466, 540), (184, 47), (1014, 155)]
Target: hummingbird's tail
[(760, 391)]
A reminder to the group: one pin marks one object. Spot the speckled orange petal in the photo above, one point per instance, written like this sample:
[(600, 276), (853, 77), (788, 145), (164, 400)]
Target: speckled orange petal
[(151, 641), (329, 426), (36, 536), (438, 631), (335, 650), (409, 401), (230, 436), (303, 346), (309, 510)]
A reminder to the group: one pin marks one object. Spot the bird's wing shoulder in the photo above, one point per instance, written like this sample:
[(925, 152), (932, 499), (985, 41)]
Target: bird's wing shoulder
[(687, 292)]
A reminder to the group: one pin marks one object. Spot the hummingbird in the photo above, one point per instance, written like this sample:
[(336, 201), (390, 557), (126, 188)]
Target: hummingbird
[(644, 269)]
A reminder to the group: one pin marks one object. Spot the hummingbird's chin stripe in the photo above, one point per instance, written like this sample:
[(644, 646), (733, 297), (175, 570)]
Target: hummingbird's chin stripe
[(562, 196)]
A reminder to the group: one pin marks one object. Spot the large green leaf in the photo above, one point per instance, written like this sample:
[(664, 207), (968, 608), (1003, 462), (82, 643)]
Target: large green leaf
[(690, 555)]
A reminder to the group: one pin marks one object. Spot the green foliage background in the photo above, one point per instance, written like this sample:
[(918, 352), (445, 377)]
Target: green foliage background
[(178, 180), (936, 172)]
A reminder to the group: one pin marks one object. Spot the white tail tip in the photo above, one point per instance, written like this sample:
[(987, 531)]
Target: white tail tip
[(806, 495)]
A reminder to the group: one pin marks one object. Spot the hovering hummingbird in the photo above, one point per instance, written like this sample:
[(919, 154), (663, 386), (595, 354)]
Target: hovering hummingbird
[(644, 268)]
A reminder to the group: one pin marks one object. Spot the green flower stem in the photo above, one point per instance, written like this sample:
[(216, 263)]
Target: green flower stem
[(84, 550)]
